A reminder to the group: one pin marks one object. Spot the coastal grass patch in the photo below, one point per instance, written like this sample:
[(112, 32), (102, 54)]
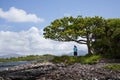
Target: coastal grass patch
[(25, 58), (64, 59), (92, 59), (88, 59), (28, 58), (112, 66)]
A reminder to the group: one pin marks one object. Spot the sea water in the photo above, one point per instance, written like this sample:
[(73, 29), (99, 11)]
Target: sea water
[(4, 65)]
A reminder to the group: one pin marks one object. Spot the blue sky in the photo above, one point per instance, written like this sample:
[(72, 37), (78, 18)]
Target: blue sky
[(20, 17), (52, 9)]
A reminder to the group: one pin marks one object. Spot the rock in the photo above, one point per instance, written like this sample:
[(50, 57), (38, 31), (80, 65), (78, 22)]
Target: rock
[(50, 71), (1, 78)]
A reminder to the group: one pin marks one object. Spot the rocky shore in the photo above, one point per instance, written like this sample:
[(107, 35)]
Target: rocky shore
[(50, 71)]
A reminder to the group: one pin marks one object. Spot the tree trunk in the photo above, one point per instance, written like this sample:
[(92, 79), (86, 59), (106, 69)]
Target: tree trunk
[(88, 44), (89, 47)]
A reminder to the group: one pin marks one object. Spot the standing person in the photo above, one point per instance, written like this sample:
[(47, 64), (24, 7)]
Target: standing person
[(75, 51)]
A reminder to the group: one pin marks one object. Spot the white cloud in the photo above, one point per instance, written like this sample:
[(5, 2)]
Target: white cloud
[(19, 15), (32, 42)]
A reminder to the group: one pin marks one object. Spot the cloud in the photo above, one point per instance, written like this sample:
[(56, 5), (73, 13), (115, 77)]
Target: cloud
[(19, 15), (32, 42)]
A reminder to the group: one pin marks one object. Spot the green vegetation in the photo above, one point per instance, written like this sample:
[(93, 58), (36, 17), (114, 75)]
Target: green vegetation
[(90, 59), (64, 59), (27, 58), (80, 59), (113, 67)]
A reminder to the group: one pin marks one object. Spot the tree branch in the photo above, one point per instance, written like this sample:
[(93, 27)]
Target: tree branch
[(80, 42)]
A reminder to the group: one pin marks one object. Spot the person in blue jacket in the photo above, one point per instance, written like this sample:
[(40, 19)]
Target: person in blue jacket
[(75, 51)]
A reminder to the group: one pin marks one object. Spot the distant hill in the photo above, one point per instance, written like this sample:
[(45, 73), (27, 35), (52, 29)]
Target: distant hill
[(80, 53), (10, 55)]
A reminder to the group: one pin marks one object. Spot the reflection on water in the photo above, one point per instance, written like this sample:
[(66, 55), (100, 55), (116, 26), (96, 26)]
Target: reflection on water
[(4, 65)]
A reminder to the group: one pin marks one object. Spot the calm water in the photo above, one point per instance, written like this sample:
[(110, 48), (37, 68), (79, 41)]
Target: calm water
[(4, 65)]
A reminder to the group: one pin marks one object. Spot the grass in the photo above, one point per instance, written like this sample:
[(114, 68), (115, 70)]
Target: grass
[(90, 59), (113, 67), (56, 59), (27, 58), (80, 59), (13, 59), (64, 59)]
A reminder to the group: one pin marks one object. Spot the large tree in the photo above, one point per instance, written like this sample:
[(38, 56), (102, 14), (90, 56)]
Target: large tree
[(108, 41), (79, 29)]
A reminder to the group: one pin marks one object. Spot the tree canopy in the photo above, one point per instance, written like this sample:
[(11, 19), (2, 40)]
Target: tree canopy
[(97, 33)]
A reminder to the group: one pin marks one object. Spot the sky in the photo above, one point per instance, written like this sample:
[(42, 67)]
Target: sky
[(22, 23)]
